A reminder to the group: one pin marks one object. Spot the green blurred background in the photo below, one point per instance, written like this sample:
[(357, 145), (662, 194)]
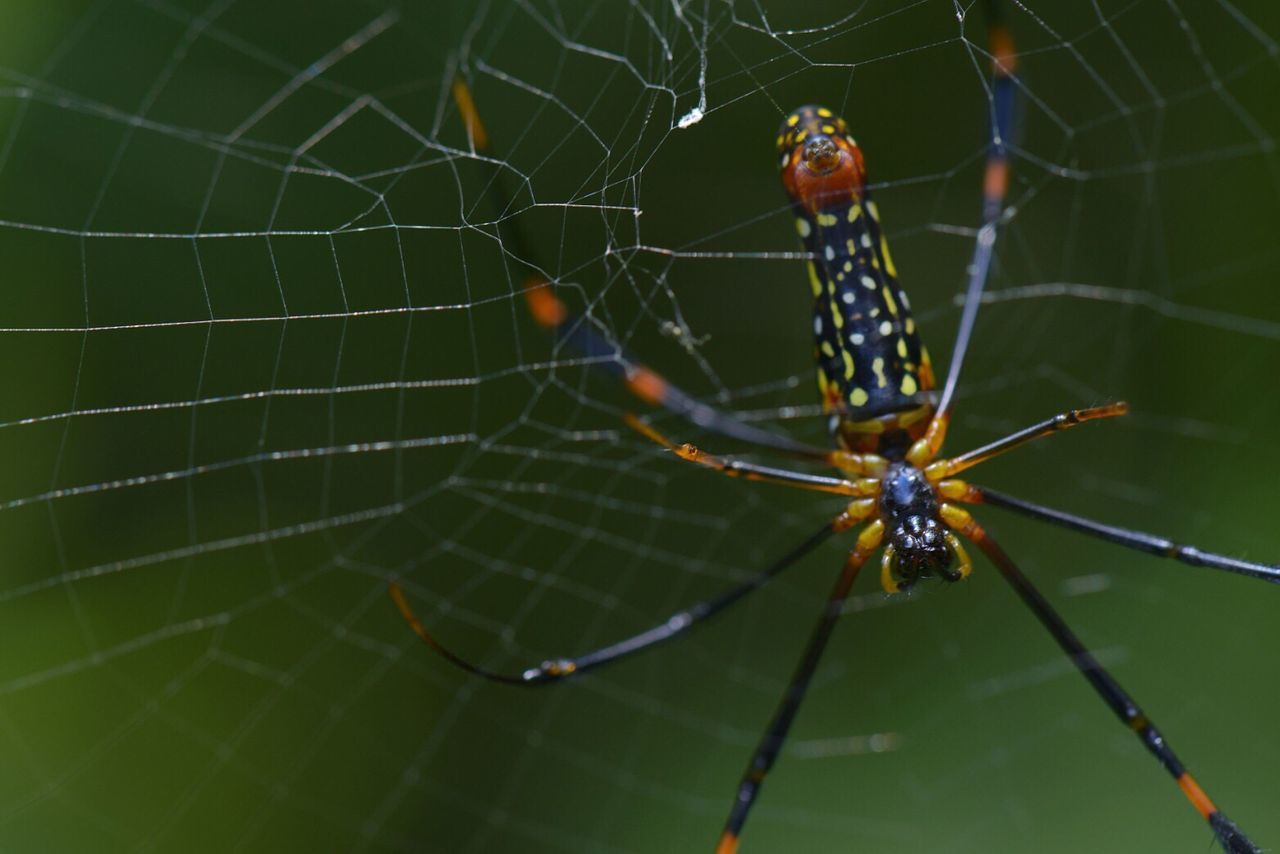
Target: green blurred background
[(266, 351)]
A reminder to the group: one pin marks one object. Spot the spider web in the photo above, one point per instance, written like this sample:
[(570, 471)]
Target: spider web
[(267, 350)]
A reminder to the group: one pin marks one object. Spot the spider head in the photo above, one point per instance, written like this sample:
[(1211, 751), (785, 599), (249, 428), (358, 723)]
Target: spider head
[(920, 550)]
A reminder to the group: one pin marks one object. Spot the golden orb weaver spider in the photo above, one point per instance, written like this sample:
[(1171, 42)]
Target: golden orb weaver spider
[(888, 420)]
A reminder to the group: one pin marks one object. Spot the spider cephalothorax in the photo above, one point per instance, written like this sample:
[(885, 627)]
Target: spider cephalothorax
[(919, 545)]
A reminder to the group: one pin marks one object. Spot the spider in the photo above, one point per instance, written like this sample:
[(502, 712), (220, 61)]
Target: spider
[(888, 422)]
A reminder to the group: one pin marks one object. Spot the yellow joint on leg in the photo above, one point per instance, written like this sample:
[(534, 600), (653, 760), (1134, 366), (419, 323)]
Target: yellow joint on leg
[(962, 557), (868, 486), (937, 470), (955, 490), (871, 536), (855, 512), (919, 453), (887, 581), (863, 464), (924, 449), (956, 517), (861, 508)]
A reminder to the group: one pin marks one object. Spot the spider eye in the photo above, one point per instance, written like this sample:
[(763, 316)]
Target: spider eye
[(821, 154)]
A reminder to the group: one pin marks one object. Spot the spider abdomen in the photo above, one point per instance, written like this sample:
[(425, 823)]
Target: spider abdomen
[(872, 367)]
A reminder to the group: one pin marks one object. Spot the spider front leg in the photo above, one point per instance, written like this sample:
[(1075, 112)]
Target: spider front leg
[(942, 473), (1063, 421), (862, 487)]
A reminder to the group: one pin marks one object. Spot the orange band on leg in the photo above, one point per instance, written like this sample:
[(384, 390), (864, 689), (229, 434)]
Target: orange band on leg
[(1003, 57), (995, 184), (470, 115), (728, 844), (1196, 795), (648, 386), (547, 310)]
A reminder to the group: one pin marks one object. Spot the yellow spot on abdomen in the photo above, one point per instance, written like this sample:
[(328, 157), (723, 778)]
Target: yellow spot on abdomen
[(848, 364), (814, 281), (858, 396), (877, 367), (909, 384), (888, 299), (888, 261)]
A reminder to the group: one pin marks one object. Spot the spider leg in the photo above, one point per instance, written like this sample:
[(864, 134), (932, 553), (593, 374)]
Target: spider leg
[(887, 559), (676, 624), (1049, 426), (995, 187), (578, 333), (862, 487), (1143, 542), (1229, 836), (645, 383), (774, 736)]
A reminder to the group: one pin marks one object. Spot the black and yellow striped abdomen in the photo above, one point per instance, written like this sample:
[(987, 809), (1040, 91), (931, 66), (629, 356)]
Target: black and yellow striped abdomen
[(873, 371)]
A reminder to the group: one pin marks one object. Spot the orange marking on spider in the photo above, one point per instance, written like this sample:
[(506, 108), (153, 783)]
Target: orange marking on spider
[(1196, 795), (647, 385), (545, 307), (470, 116)]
